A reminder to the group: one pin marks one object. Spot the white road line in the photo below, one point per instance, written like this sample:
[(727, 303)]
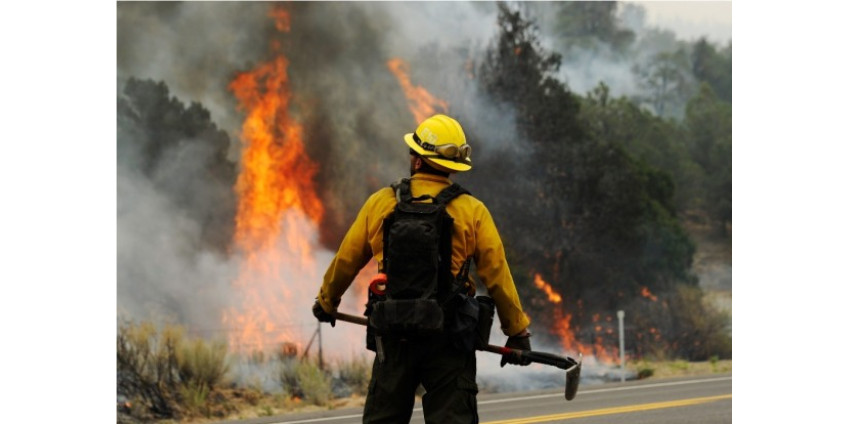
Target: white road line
[(523, 398), (611, 389), (318, 420)]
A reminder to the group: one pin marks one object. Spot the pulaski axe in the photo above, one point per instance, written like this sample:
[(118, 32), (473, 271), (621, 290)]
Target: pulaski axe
[(571, 366)]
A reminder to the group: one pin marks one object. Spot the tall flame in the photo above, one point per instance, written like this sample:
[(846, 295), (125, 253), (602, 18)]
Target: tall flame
[(277, 206), (421, 103)]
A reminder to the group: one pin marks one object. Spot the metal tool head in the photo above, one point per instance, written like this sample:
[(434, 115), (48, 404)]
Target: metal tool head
[(572, 378)]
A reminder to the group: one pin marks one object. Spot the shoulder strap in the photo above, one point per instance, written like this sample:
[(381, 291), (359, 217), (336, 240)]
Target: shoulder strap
[(402, 190), (403, 193), (451, 192)]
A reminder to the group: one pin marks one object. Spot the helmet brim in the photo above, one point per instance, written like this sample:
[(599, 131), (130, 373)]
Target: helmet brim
[(445, 164)]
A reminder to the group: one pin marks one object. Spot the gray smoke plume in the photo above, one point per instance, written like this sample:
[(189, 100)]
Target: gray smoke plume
[(194, 47)]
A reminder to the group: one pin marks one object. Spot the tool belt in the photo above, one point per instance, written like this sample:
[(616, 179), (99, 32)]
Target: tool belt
[(465, 319), (407, 317)]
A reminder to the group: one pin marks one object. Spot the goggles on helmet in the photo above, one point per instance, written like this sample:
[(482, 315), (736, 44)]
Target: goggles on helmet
[(445, 151)]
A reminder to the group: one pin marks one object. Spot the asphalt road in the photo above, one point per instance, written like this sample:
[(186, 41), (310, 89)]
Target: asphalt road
[(696, 400)]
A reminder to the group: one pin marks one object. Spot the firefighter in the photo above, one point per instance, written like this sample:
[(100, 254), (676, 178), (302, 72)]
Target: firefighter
[(437, 149)]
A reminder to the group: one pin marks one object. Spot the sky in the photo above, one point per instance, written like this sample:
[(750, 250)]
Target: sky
[(691, 19)]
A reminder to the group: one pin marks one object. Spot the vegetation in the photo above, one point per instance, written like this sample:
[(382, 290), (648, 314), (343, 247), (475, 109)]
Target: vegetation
[(162, 374), (595, 204), (678, 368), (356, 374), (305, 380)]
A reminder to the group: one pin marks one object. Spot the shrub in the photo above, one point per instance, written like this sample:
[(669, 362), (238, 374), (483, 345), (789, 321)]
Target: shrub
[(194, 397), (288, 377), (314, 383), (644, 372), (165, 374), (356, 374), (303, 379), (147, 366), (203, 364)]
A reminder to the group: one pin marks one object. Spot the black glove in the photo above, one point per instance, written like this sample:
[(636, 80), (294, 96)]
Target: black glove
[(322, 316), (519, 341)]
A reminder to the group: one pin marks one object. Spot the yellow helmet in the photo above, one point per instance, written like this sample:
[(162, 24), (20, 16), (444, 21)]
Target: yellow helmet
[(441, 142)]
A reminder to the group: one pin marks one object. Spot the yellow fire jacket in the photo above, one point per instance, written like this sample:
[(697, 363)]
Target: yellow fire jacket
[(474, 235)]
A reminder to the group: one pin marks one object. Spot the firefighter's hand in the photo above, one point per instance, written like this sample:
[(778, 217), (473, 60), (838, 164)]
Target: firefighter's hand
[(322, 316), (518, 341)]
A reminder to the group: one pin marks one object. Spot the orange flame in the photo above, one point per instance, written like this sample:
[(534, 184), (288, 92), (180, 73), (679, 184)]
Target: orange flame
[(277, 206), (563, 328), (421, 103), (553, 296), (647, 294)]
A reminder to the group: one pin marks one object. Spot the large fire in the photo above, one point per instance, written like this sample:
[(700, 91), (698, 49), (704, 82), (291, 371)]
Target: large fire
[(421, 103), (278, 209)]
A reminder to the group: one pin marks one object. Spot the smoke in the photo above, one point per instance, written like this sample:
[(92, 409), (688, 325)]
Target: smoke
[(194, 47), (351, 107), (162, 272)]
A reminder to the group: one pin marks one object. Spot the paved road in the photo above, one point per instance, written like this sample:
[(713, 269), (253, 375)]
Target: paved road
[(697, 400)]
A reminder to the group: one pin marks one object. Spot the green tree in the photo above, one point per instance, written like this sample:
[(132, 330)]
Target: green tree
[(589, 25), (709, 133), (667, 80), (713, 67), (658, 142)]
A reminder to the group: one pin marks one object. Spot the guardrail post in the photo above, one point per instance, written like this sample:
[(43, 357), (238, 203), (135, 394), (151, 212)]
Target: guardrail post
[(621, 341)]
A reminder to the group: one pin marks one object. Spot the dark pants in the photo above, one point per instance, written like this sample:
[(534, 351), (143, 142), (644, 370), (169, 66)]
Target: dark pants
[(448, 376)]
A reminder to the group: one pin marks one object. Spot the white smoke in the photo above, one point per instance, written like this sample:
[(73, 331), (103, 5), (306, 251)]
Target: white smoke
[(162, 275)]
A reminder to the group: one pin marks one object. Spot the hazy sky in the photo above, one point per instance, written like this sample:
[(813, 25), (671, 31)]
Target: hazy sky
[(691, 19)]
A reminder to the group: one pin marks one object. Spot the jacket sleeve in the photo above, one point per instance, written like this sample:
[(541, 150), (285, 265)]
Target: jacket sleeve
[(493, 270), (353, 254)]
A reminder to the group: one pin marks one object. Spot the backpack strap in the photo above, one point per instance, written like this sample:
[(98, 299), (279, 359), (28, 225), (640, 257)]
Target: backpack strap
[(402, 190), (451, 192), (403, 193)]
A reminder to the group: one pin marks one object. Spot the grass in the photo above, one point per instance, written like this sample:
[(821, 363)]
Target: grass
[(679, 368)]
